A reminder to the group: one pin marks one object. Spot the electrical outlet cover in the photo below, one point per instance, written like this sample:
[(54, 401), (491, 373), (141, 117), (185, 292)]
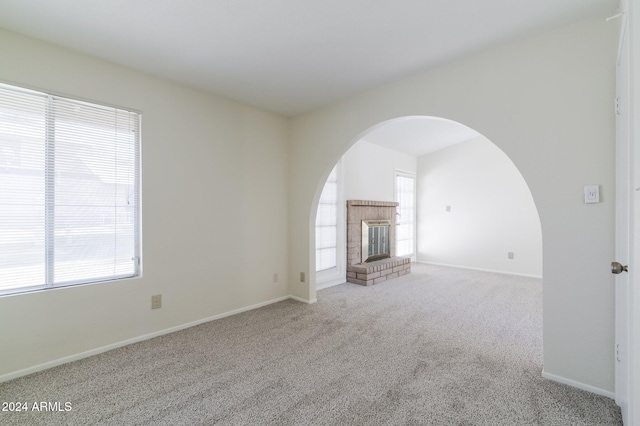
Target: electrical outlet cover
[(156, 301)]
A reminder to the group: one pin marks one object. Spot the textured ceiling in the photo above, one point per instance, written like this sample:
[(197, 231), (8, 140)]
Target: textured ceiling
[(283, 55)]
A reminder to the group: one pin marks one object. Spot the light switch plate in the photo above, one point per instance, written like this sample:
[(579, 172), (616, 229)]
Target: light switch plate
[(591, 194)]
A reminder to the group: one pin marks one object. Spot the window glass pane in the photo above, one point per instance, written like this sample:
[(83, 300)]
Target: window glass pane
[(326, 224), (327, 215), (404, 232), (405, 196), (329, 193), (405, 248), (22, 153), (325, 259), (326, 236), (94, 202)]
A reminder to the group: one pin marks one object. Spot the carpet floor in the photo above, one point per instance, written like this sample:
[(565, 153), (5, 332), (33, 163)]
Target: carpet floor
[(438, 346)]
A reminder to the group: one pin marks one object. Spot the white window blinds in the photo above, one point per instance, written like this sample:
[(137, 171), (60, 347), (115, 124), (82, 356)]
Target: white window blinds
[(69, 191), (405, 225), (327, 224)]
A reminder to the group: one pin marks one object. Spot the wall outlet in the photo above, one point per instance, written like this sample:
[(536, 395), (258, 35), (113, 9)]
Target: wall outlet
[(275, 278), (156, 301), (447, 208), (303, 277), (510, 255)]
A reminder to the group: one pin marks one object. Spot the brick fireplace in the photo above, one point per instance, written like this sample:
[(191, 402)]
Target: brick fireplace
[(380, 217)]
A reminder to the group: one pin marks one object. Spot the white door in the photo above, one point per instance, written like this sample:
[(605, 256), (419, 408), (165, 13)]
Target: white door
[(623, 229), (624, 224), (633, 54)]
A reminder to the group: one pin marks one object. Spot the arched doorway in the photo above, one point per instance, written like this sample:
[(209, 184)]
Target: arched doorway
[(473, 208)]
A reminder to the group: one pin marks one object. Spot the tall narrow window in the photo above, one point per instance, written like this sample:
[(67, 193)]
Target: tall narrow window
[(327, 224), (406, 213), (69, 191)]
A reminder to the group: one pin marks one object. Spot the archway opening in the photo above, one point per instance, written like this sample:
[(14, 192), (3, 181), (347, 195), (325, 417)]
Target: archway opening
[(471, 206)]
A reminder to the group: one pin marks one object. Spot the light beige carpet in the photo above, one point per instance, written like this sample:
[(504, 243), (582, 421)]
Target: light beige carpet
[(439, 346)]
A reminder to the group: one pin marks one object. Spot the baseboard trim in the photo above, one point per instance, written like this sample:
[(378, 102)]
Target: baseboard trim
[(495, 271), (330, 284), (96, 351), (578, 385), (300, 299)]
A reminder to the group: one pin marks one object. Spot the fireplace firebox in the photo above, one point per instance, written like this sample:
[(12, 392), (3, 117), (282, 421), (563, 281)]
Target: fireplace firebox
[(375, 240)]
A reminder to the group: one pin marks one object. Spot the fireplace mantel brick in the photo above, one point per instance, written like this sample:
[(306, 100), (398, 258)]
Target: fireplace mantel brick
[(380, 270)]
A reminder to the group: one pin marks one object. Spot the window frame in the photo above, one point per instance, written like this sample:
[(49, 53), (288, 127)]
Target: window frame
[(49, 199), (411, 175), (336, 275)]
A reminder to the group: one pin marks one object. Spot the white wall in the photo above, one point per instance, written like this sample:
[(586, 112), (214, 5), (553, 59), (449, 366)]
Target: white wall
[(491, 211), (369, 171), (213, 172), (546, 102)]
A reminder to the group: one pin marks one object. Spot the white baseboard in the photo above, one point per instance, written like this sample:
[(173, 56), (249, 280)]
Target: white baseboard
[(330, 284), (96, 351), (300, 299), (480, 269), (578, 385)]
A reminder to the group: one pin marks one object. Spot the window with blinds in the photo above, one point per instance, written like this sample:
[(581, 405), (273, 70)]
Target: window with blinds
[(69, 191), (405, 225), (327, 224)]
